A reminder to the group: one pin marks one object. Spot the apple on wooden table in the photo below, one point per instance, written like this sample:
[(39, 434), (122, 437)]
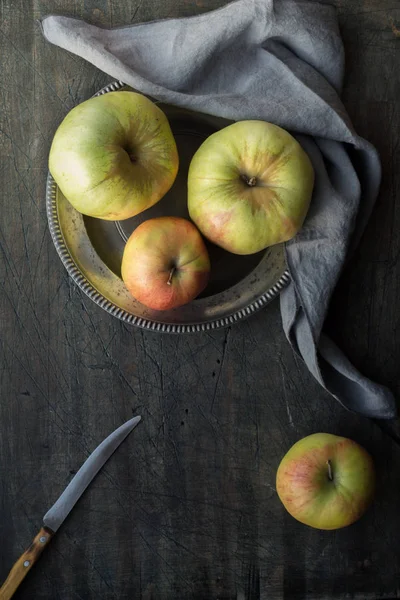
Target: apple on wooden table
[(326, 481), (249, 186), (165, 263), (114, 155)]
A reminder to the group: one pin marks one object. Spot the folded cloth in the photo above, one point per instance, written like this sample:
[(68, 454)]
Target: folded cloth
[(282, 62)]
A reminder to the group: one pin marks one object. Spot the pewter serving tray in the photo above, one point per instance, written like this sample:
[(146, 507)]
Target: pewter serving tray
[(91, 249)]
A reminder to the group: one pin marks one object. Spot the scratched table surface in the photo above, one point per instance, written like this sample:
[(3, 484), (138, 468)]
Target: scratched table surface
[(187, 508)]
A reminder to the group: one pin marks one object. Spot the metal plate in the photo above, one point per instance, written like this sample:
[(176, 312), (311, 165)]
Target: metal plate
[(91, 250)]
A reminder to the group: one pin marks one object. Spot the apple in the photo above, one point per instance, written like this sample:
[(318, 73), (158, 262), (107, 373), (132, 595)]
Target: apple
[(326, 481), (114, 155), (165, 263), (249, 186)]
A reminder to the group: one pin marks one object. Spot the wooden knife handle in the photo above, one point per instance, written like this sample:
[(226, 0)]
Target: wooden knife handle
[(24, 563)]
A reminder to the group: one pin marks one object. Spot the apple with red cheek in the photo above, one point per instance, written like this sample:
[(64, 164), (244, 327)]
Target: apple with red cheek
[(249, 186), (165, 263), (326, 481)]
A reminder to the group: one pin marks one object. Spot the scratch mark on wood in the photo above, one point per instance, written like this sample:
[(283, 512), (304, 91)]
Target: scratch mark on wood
[(224, 349), (136, 11)]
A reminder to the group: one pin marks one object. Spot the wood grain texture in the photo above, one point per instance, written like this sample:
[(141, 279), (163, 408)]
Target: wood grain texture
[(24, 564), (187, 507)]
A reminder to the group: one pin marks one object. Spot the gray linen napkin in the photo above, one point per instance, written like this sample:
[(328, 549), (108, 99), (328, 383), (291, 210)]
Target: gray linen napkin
[(282, 62)]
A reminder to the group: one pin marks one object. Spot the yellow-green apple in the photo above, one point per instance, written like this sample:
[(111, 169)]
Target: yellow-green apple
[(114, 155), (165, 263), (326, 481), (249, 186)]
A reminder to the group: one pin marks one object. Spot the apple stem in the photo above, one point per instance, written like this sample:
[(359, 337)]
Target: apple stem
[(171, 274), (251, 181), (330, 472)]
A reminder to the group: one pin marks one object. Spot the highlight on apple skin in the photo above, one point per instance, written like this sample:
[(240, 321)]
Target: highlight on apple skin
[(326, 481), (114, 155), (249, 186), (165, 263)]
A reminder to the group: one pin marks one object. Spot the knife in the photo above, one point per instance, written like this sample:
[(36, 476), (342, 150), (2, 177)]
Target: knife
[(54, 518)]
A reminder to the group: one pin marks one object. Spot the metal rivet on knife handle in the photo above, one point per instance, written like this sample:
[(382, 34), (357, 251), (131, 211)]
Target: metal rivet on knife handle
[(24, 564)]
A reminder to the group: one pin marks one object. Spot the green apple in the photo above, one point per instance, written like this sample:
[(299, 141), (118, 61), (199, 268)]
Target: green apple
[(326, 481), (114, 155), (165, 263), (249, 186)]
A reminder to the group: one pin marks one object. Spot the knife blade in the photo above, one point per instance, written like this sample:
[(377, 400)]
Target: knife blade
[(57, 514)]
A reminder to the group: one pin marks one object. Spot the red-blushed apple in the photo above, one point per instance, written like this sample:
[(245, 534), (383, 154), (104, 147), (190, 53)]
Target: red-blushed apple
[(249, 186), (326, 481), (114, 155), (165, 263)]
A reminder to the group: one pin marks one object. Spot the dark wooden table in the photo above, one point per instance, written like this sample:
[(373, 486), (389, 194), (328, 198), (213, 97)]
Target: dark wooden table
[(187, 508)]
